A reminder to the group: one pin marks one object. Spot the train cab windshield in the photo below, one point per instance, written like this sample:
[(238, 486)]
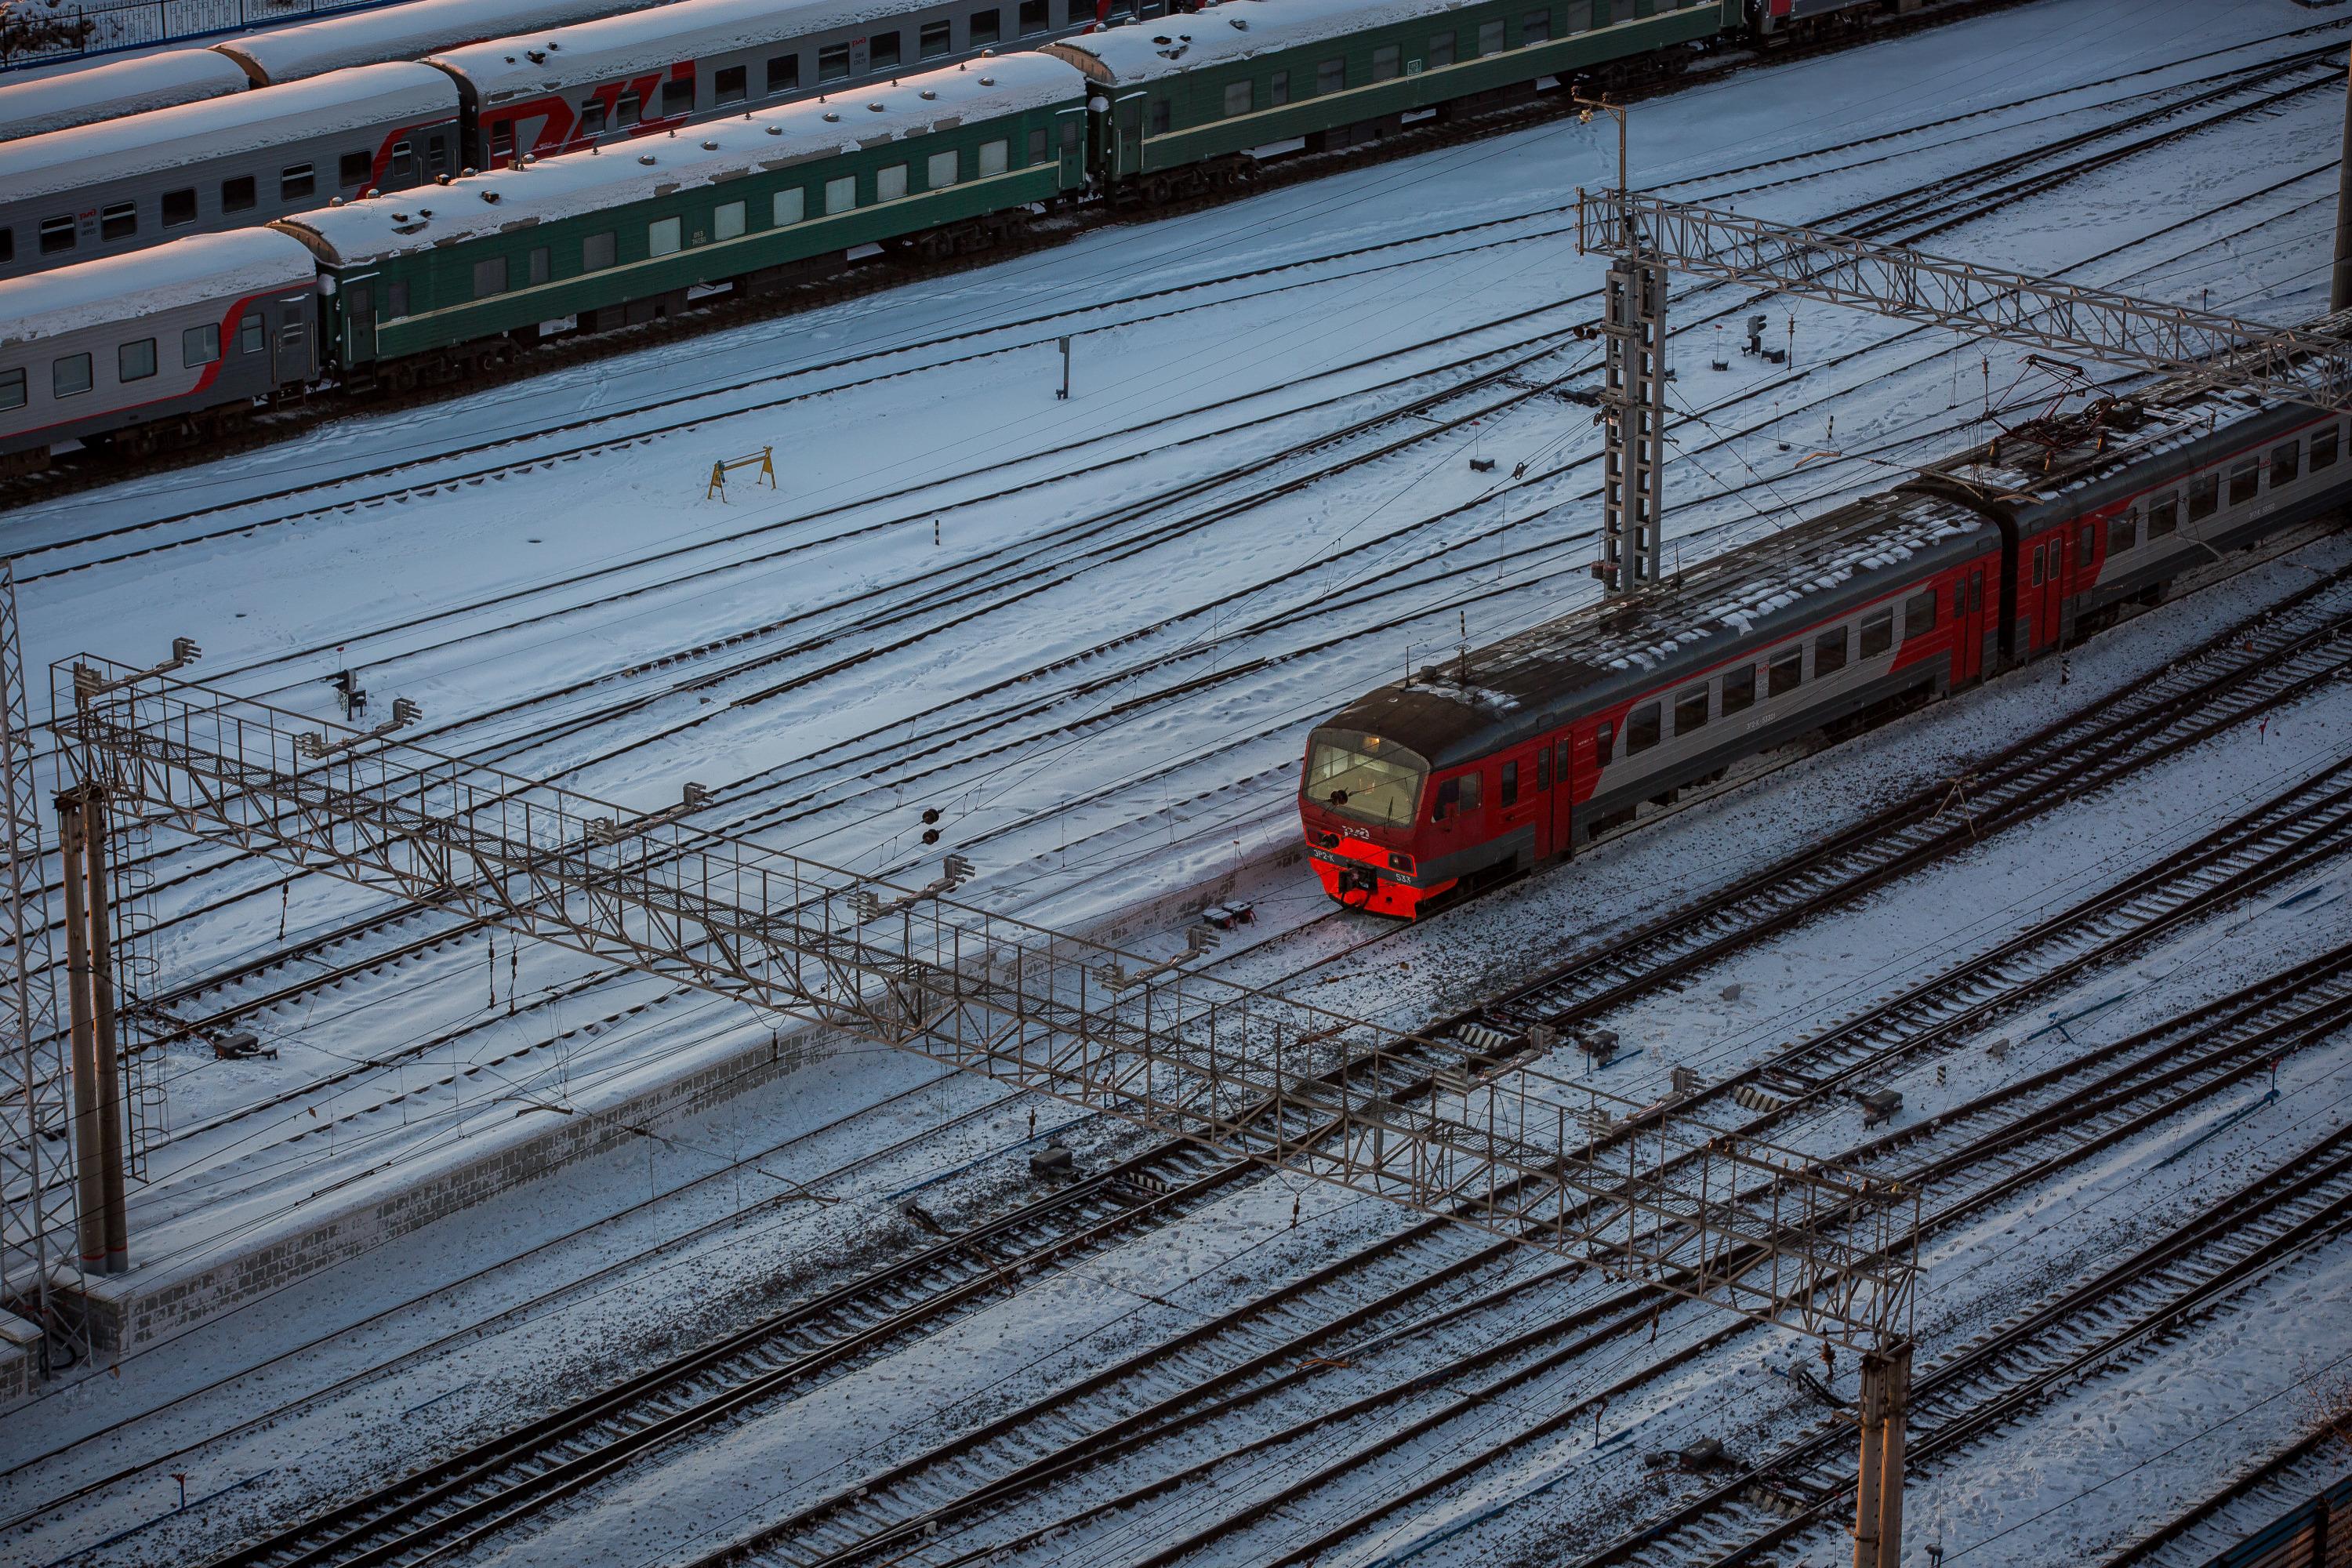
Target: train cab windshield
[(1364, 777)]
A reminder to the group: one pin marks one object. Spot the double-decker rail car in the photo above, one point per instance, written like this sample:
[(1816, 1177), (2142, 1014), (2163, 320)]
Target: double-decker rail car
[(227, 162), (1424, 792), (171, 339), (1196, 99), (594, 240), (562, 88)]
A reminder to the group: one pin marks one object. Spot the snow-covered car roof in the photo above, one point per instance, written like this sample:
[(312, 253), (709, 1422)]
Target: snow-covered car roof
[(638, 170), (1230, 30), (115, 151), (551, 59), (408, 31), (119, 88), (198, 270)]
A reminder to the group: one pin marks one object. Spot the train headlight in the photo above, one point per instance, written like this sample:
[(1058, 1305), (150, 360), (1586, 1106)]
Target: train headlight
[(1401, 863)]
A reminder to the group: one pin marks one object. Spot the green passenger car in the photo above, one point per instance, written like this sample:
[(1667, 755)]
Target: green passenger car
[(627, 232), (1181, 90)]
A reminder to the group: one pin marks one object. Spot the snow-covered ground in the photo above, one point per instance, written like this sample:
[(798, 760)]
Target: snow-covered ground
[(1091, 637)]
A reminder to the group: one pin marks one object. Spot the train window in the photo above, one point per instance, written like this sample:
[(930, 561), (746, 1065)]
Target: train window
[(2163, 515), (502, 139), (69, 376), (2285, 463), (833, 62), (1441, 51), (596, 252), (1033, 17), (937, 38), (1785, 673), (2122, 532), (436, 155), (1543, 769), (404, 156), (1239, 98), (118, 221), (199, 345), (733, 84), (57, 234), (841, 195), (539, 259), (354, 168), (2245, 482), (994, 157), (237, 194), (1643, 726), (1578, 18), (1331, 76), (1037, 145), (7, 244), (490, 276), (1604, 742), (1081, 12), (678, 97), (1157, 124), (290, 335), (1473, 786), (2082, 539), (396, 299), (1829, 653), (890, 183), (1690, 710), (626, 108), (12, 389), (295, 181), (2037, 565), (984, 28), (1386, 62), (1277, 92), (1877, 632), (1510, 793), (940, 172), (1490, 37), (882, 51), (1738, 689), (134, 360), (1534, 28), (2204, 491), (785, 71), (2322, 449), (789, 207), (727, 220), (665, 236), (592, 116), (1919, 612), (1069, 132)]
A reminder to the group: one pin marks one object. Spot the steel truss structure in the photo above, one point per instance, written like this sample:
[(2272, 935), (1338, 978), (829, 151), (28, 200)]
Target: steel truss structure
[(41, 1267), (2311, 365), (1700, 1212), (1634, 414)]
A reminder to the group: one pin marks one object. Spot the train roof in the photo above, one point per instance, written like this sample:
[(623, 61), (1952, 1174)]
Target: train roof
[(408, 31), (551, 59), (1615, 651), (196, 270), (1230, 30), (110, 91), (116, 150), (637, 170)]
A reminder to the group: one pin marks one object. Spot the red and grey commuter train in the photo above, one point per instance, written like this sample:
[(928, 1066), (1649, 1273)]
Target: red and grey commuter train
[(1422, 793)]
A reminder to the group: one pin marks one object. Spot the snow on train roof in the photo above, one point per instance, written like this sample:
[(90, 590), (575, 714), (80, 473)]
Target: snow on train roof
[(549, 60), (142, 283), (110, 91), (637, 170), (1235, 29), (408, 31), (115, 151)]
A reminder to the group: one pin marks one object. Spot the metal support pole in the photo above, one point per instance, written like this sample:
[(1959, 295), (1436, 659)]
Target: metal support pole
[(111, 1155), (1634, 405), (1878, 1492), (2339, 287), (89, 1183)]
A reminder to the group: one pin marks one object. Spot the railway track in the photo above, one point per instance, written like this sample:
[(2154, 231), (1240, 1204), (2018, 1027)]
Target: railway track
[(928, 1509), (2246, 1503)]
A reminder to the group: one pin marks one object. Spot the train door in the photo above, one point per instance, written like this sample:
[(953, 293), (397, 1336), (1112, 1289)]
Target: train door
[(1071, 128), (2053, 573), (1968, 626), (357, 302), (1127, 142), (1561, 831)]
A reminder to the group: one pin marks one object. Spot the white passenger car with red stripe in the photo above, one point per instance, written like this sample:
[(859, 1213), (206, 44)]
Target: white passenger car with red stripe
[(126, 349)]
